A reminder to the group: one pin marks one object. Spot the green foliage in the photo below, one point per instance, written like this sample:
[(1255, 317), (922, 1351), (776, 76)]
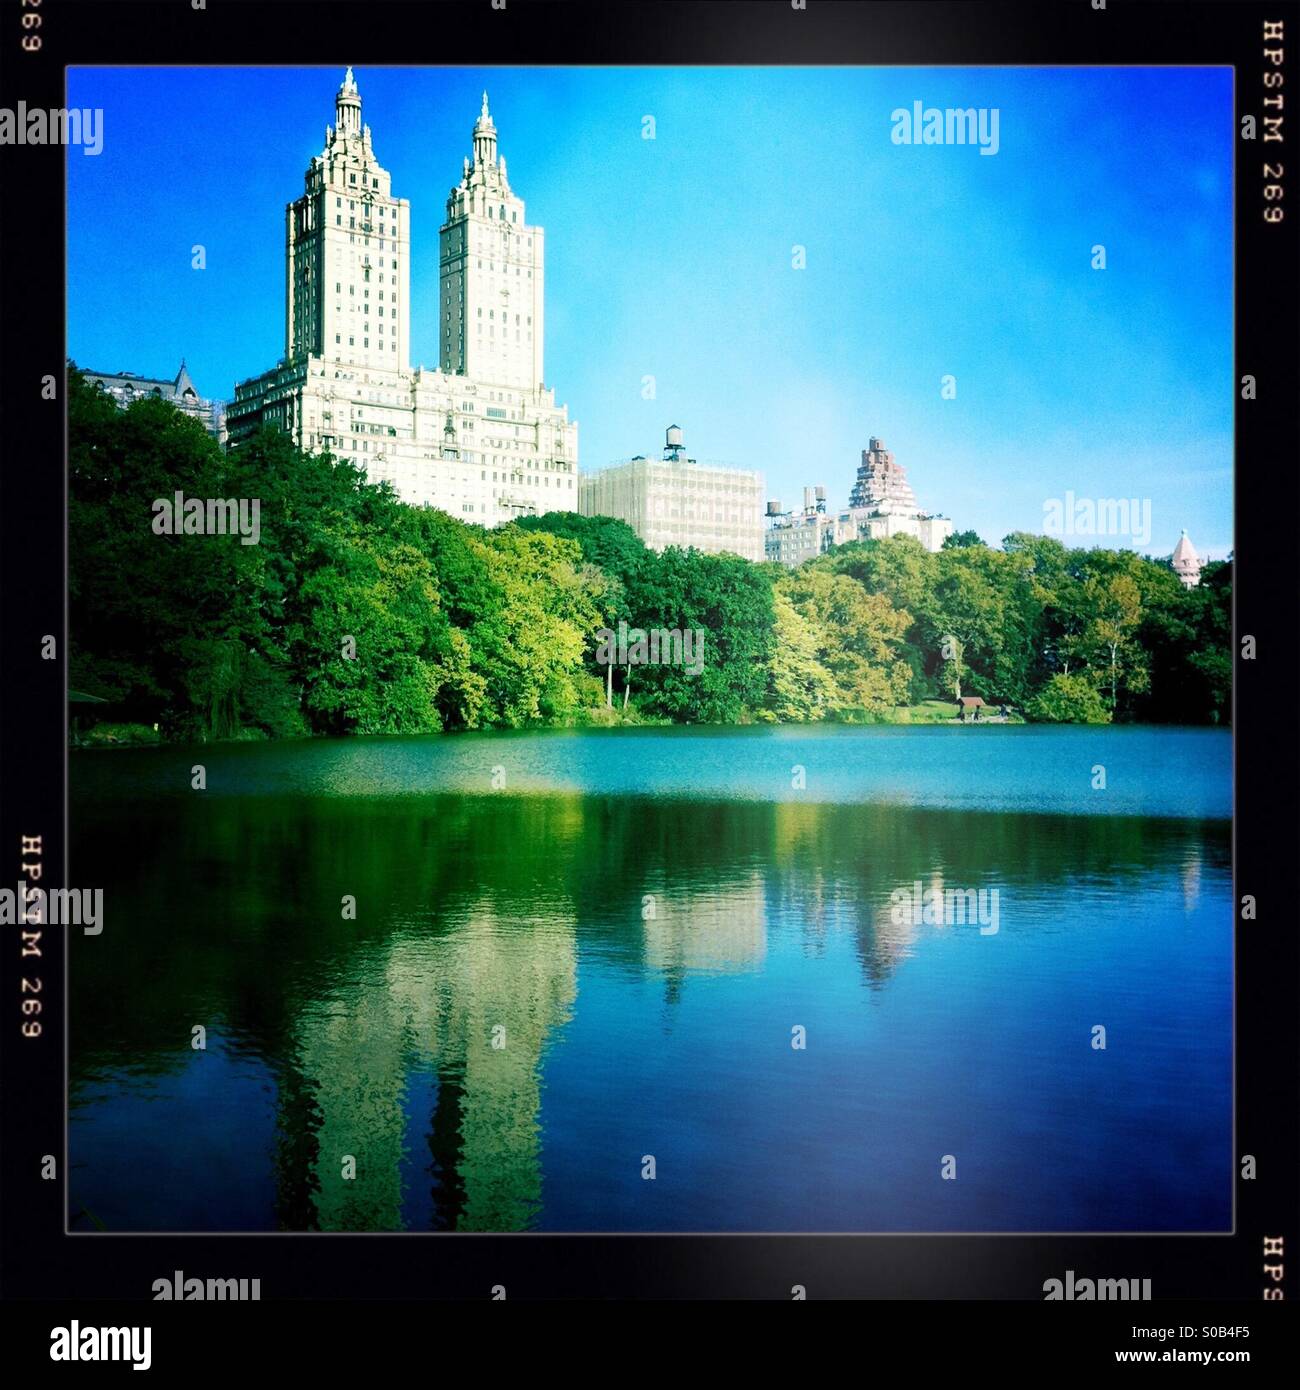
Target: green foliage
[(356, 613), (857, 636), (1069, 700), (611, 545), (800, 689), (727, 599), (110, 735)]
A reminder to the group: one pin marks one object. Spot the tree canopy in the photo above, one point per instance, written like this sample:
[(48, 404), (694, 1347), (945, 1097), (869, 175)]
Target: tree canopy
[(357, 613)]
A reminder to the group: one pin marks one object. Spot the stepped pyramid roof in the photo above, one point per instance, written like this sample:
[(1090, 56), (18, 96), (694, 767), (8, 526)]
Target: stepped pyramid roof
[(882, 483)]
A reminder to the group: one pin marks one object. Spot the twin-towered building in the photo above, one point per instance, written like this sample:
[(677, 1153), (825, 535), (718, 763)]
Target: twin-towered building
[(480, 435)]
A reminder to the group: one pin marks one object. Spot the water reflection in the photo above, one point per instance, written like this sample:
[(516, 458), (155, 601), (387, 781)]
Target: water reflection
[(466, 1053)]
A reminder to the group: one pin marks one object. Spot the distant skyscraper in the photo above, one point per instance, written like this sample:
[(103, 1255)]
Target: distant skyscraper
[(479, 436)]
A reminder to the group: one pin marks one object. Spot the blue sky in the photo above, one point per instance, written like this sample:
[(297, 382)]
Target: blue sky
[(672, 257)]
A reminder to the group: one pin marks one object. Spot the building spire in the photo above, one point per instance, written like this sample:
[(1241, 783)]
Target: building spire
[(485, 138), (347, 106), (1186, 563)]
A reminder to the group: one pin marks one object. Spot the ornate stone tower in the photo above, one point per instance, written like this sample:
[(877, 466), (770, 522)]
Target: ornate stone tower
[(1186, 563), (492, 274), (347, 271), (478, 436)]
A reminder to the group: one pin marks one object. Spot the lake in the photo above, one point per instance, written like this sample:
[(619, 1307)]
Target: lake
[(579, 957)]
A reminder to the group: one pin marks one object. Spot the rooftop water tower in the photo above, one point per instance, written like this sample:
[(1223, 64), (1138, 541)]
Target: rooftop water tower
[(673, 443)]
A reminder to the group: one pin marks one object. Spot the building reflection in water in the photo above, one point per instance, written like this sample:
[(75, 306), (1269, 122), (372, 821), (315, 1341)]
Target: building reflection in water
[(432, 1006), (513, 917)]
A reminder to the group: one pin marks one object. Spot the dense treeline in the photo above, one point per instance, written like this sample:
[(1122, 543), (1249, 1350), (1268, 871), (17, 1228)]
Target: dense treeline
[(355, 613)]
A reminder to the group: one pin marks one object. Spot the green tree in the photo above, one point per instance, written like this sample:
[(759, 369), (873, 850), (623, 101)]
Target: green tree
[(1116, 608), (1069, 700), (800, 689), (860, 636), (730, 601), (357, 613), (606, 542), (544, 627)]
